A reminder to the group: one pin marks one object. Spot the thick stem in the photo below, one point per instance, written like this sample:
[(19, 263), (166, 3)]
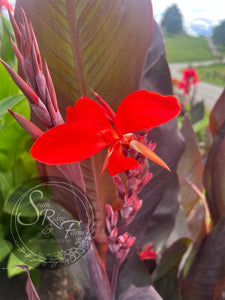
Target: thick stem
[(96, 270), (98, 278), (192, 98)]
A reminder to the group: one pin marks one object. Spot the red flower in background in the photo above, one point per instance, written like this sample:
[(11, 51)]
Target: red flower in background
[(190, 74), (148, 253), (88, 130), (189, 77), (5, 4)]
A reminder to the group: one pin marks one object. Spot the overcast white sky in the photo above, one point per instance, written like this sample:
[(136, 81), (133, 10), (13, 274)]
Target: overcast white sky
[(212, 10)]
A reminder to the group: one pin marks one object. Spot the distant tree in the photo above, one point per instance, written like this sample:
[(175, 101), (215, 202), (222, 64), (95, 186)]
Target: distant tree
[(172, 20), (219, 34)]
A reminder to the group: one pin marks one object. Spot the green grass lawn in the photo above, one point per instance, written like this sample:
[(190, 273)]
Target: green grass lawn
[(185, 48), (214, 74)]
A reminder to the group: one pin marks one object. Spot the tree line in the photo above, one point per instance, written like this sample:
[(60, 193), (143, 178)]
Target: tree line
[(172, 22)]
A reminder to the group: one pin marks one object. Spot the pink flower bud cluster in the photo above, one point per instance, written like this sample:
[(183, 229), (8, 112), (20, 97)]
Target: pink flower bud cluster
[(118, 242), (138, 178), (38, 87)]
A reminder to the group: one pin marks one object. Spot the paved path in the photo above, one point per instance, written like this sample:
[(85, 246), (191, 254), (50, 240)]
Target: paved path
[(205, 91)]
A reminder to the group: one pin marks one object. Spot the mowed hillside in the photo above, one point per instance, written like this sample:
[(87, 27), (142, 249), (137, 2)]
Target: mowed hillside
[(185, 48)]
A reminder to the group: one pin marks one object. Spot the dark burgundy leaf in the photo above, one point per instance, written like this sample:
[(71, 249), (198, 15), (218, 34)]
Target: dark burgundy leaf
[(165, 276), (214, 176), (219, 289), (208, 267), (162, 191), (162, 221), (156, 80), (92, 44), (190, 170), (157, 47), (143, 293), (134, 272), (217, 115), (156, 74)]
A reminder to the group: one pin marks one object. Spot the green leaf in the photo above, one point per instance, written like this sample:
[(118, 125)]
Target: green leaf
[(26, 209), (13, 138), (16, 164), (197, 112), (9, 103), (200, 125), (5, 245), (35, 275), (31, 246), (7, 87), (6, 51), (14, 261)]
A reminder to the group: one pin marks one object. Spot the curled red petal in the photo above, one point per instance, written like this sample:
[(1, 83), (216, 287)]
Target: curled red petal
[(67, 143), (142, 109), (106, 108), (118, 163), (143, 149)]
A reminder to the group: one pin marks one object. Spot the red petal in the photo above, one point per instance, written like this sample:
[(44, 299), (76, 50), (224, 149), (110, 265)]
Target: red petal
[(67, 143), (89, 113), (142, 109), (118, 162)]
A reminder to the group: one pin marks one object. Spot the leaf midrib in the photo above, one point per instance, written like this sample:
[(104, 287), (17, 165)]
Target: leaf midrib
[(76, 48), (83, 90)]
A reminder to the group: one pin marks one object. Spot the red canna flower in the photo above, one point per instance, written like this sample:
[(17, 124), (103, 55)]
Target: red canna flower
[(5, 4), (148, 253), (189, 77), (88, 130), (190, 74), (185, 86)]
